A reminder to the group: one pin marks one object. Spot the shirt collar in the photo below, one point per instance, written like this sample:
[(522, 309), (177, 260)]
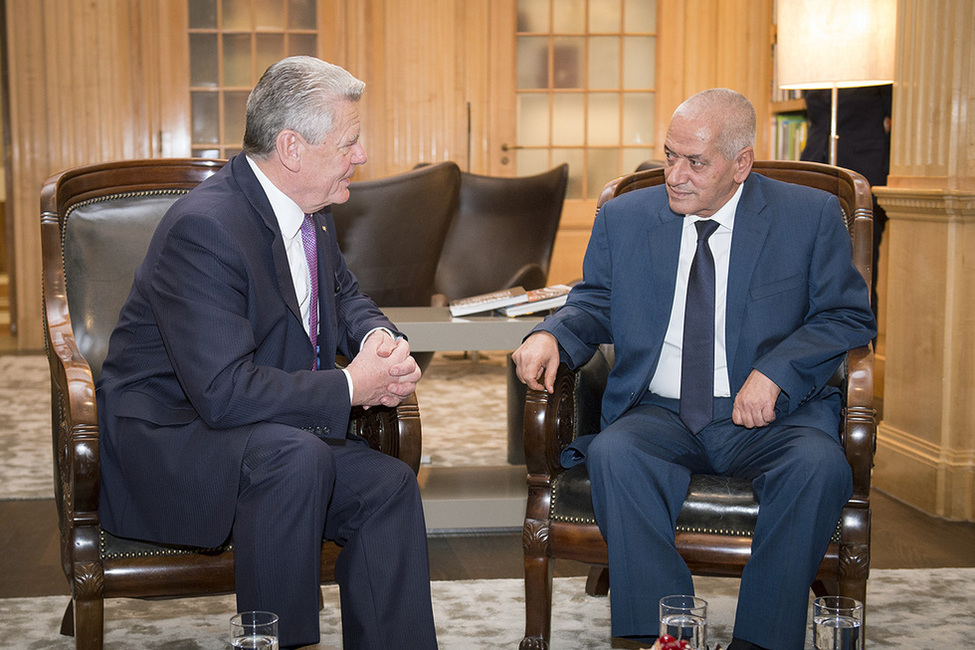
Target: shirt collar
[(286, 211)]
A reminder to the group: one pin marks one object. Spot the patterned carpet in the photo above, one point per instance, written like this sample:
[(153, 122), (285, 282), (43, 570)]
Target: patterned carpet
[(906, 609), (462, 409)]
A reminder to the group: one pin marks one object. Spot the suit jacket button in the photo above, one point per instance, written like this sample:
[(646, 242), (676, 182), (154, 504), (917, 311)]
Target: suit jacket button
[(337, 288)]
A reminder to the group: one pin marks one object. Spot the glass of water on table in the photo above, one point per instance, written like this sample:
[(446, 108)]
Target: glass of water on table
[(837, 623), (254, 631), (685, 617)]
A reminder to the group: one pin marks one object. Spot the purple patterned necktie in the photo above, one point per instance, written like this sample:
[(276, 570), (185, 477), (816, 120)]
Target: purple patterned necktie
[(311, 254)]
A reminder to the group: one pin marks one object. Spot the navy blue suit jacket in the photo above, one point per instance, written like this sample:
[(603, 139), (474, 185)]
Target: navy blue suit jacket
[(209, 343), (795, 301)]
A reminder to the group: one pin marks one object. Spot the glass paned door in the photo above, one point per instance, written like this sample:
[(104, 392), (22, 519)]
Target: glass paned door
[(232, 42), (585, 88)]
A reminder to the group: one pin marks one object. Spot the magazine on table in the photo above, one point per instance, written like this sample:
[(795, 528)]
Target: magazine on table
[(539, 300), (487, 301)]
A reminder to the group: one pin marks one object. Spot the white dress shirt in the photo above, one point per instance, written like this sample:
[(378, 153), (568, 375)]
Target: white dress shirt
[(666, 378)]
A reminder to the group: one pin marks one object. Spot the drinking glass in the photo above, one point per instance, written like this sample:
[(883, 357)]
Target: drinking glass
[(837, 623), (685, 617), (254, 630)]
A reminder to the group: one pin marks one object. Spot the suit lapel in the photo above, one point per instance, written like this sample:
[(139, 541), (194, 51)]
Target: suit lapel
[(664, 246), (252, 189), (752, 223)]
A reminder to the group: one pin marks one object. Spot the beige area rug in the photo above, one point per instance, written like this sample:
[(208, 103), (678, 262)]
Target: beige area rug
[(462, 410), (905, 609)]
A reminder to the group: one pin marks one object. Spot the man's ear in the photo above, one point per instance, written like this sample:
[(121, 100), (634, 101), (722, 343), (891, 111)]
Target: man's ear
[(743, 164), (289, 147)]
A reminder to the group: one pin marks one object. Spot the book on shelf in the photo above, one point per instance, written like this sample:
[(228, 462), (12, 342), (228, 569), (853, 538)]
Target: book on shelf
[(487, 301), (790, 136), (539, 300)]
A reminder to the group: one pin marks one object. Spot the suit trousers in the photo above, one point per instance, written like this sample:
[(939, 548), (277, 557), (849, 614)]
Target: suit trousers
[(294, 490), (640, 468)]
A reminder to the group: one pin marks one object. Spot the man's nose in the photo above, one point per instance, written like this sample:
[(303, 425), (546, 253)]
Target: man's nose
[(677, 172), (359, 155)]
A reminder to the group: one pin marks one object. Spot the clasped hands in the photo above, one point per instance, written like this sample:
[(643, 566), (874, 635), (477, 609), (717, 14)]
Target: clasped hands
[(383, 372), (537, 360)]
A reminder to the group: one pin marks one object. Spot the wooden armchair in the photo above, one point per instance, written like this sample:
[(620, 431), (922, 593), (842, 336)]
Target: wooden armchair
[(716, 523), (96, 222)]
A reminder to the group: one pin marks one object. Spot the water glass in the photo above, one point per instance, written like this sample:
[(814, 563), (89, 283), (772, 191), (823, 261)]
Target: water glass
[(254, 630), (685, 617), (837, 623)]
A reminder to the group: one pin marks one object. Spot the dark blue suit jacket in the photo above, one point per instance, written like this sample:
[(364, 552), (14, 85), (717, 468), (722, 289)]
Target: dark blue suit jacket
[(209, 343), (795, 301)]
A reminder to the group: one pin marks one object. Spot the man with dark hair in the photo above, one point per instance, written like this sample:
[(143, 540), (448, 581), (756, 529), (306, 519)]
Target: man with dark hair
[(221, 411), (730, 299)]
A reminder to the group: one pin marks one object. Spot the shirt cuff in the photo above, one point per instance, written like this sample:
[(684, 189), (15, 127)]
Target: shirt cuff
[(348, 377)]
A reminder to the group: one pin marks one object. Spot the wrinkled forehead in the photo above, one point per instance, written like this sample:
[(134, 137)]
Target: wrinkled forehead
[(689, 136)]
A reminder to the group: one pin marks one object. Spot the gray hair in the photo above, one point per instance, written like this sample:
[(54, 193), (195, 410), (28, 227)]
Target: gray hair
[(737, 123), (297, 93)]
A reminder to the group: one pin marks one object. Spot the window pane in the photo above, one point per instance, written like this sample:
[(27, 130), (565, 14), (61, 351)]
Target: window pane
[(302, 15), (204, 70), (236, 15), (639, 60), (633, 157), (568, 122), (269, 14), (206, 114), (603, 167), (568, 56), (205, 153), (603, 120), (270, 49), (203, 14), (569, 16), (533, 120), (532, 62), (532, 161), (236, 60), (234, 115), (604, 15), (604, 62), (641, 15), (638, 115), (575, 158), (306, 44), (532, 15)]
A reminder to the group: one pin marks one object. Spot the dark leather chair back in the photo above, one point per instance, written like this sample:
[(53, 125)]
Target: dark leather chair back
[(106, 231), (503, 234), (392, 232)]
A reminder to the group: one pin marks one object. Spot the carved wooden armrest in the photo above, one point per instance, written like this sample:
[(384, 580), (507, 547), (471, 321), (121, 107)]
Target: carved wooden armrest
[(550, 424), (391, 430), (860, 420)]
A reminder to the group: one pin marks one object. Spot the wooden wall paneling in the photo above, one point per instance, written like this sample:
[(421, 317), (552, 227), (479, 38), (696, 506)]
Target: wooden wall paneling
[(88, 82), (714, 43)]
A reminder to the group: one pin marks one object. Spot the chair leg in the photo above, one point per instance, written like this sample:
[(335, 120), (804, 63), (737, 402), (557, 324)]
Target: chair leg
[(598, 582), (538, 596), (89, 623)]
